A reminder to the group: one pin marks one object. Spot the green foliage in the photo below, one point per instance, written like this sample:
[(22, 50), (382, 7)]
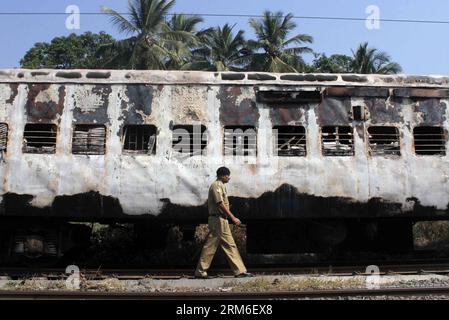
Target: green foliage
[(370, 60), (155, 42), (274, 50), (365, 60), (336, 63), (71, 52), (182, 54), (432, 235), (220, 50)]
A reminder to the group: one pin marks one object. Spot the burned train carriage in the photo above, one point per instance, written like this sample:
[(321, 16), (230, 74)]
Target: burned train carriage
[(327, 161)]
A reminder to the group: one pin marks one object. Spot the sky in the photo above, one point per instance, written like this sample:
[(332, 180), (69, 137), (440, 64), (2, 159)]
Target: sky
[(420, 48)]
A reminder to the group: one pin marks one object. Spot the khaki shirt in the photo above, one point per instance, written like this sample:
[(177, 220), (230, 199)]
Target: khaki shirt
[(217, 194)]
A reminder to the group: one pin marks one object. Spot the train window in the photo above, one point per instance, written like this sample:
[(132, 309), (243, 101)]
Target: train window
[(39, 138), (384, 141), (139, 139), (189, 139), (337, 141), (290, 141), (429, 141), (288, 97), (240, 141), (89, 139), (3, 137), (358, 113)]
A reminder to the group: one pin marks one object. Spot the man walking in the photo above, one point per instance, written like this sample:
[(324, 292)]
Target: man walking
[(219, 231)]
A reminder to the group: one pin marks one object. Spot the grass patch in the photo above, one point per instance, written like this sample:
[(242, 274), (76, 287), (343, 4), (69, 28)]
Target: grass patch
[(109, 284), (36, 285), (431, 235), (312, 283)]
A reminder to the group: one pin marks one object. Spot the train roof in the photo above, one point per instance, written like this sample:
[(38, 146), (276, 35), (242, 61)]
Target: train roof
[(217, 78)]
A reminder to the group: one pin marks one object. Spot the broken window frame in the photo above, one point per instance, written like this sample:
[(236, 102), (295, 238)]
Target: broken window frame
[(144, 142), (290, 144), (232, 149), (40, 144), (434, 143), (289, 96), (341, 149), (3, 137), (384, 144), (87, 139), (191, 140)]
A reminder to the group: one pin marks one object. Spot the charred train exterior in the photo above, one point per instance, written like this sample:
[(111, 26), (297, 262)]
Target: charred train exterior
[(327, 148)]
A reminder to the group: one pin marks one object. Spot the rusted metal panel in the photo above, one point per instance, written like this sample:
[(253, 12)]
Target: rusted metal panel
[(288, 97), (383, 112), (188, 104), (357, 92), (422, 93), (289, 116), (45, 102), (14, 90), (91, 103), (137, 103), (334, 111), (430, 111), (237, 107)]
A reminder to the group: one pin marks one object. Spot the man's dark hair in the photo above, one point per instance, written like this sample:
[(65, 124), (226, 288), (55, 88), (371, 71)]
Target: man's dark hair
[(223, 171)]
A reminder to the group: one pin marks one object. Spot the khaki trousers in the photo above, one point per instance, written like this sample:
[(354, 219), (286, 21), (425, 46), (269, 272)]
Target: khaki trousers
[(219, 234)]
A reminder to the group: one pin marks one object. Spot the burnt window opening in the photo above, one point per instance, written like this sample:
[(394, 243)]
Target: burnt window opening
[(3, 138), (280, 97), (358, 113), (139, 139), (429, 141), (89, 139), (384, 141), (240, 141), (290, 141), (39, 138), (190, 140), (337, 141)]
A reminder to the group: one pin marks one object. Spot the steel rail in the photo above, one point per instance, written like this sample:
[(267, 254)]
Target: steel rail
[(267, 295)]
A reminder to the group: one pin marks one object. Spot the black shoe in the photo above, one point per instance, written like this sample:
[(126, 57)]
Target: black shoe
[(244, 275)]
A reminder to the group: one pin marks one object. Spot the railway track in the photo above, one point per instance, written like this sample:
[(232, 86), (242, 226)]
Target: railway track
[(276, 295), (174, 274), (166, 273)]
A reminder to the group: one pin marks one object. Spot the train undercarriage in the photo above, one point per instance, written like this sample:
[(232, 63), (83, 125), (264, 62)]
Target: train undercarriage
[(47, 241)]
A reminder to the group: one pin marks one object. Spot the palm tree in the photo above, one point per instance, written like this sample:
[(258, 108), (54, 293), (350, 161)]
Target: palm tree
[(152, 41), (220, 50), (182, 54), (370, 60), (272, 32)]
